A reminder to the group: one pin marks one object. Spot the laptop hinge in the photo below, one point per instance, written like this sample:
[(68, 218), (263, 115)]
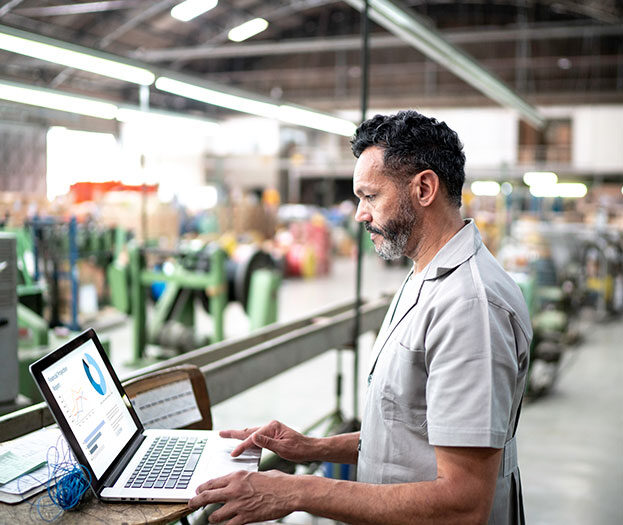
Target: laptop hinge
[(112, 478)]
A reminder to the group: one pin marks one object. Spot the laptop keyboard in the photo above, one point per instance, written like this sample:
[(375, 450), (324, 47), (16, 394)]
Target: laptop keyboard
[(168, 464)]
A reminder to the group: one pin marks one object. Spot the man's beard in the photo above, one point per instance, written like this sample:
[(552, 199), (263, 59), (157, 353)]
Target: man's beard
[(396, 232)]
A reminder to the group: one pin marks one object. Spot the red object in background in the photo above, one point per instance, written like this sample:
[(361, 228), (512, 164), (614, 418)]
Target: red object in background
[(91, 191)]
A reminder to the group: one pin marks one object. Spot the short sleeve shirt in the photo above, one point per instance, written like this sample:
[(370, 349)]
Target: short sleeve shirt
[(450, 365)]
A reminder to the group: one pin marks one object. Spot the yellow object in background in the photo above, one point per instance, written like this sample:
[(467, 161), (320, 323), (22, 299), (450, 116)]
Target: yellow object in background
[(271, 197), (604, 286), (229, 243)]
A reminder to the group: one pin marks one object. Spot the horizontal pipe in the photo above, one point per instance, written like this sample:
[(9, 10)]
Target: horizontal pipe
[(352, 43)]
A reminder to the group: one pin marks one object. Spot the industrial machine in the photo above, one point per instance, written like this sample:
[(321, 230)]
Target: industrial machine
[(204, 276), (58, 246), (601, 276)]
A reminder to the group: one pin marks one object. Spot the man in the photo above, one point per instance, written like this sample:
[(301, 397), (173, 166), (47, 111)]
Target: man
[(449, 365)]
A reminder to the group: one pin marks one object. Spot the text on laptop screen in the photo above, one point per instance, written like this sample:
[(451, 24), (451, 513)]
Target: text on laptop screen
[(92, 405)]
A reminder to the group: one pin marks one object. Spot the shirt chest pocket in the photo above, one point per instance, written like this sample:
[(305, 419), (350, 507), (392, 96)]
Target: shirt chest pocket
[(402, 380)]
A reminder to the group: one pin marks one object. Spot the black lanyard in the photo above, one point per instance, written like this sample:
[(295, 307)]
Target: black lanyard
[(402, 289)]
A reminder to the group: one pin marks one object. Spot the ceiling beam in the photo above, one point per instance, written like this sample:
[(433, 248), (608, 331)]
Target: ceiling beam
[(408, 25), (353, 43), (8, 6), (78, 9)]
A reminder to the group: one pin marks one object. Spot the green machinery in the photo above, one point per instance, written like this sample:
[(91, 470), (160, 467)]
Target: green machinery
[(48, 250), (202, 275), (30, 295), (548, 305)]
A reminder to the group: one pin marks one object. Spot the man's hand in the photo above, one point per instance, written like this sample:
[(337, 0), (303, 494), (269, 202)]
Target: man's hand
[(275, 436), (247, 497)]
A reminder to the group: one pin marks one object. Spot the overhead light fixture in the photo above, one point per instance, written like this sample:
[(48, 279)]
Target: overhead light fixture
[(415, 30), (247, 30), (313, 119), (46, 98), (128, 115), (190, 9), (285, 113), (568, 190), (540, 178), (485, 188), (69, 55), (217, 98)]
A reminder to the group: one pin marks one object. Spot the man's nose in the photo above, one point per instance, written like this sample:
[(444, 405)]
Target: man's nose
[(362, 215)]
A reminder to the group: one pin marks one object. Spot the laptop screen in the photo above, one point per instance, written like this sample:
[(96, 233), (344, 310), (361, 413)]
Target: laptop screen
[(91, 404)]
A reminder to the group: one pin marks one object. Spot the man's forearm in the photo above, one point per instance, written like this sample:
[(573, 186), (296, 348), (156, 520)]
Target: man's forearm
[(399, 504), (342, 448)]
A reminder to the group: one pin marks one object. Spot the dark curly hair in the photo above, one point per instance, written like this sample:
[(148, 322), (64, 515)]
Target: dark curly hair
[(413, 143)]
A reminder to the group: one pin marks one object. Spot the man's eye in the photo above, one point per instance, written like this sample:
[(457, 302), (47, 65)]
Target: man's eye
[(369, 197)]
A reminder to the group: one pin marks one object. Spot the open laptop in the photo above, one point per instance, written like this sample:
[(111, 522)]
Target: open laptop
[(126, 461)]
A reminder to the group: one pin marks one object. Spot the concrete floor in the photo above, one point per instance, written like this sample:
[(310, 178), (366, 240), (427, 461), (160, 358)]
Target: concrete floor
[(570, 442)]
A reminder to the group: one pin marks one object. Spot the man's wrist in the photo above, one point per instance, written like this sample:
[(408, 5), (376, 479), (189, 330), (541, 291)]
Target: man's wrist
[(318, 449), (307, 491)]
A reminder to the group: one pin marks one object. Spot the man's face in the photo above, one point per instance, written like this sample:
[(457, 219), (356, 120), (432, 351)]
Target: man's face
[(384, 207)]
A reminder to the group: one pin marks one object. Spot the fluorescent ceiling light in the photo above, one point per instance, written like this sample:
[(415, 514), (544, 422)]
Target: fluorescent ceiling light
[(128, 115), (285, 113), (59, 54), (485, 188), (320, 121), (247, 30), (217, 98), (53, 100), (540, 178), (570, 190), (190, 9)]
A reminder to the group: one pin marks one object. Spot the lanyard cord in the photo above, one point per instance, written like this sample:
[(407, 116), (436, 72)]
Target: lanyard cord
[(402, 289), (404, 284)]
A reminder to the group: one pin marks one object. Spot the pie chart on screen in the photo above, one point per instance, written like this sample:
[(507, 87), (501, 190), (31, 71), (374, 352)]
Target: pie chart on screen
[(92, 369)]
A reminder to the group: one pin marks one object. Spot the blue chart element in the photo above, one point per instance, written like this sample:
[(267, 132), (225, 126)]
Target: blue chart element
[(100, 385), (91, 439)]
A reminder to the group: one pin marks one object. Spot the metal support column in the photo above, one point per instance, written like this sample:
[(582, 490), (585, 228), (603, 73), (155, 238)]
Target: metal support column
[(364, 109)]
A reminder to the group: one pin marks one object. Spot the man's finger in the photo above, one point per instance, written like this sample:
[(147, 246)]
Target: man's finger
[(237, 520), (237, 434), (226, 512), (206, 497), (246, 444), (214, 483)]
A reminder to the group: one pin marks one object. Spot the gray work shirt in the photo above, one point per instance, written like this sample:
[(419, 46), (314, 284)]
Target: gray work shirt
[(450, 365)]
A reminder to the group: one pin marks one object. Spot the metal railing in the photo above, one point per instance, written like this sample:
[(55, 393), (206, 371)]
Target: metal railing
[(231, 367)]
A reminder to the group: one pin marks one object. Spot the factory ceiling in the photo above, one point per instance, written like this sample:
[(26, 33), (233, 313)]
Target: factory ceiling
[(549, 52)]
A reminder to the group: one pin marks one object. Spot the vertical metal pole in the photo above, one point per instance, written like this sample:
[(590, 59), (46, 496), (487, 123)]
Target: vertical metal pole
[(138, 306), (73, 272), (35, 228), (364, 109), (143, 95)]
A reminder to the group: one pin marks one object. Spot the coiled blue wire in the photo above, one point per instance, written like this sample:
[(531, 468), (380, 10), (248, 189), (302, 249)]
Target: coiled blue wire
[(67, 482)]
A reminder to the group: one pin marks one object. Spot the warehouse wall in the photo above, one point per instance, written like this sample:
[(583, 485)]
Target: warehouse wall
[(248, 149), (491, 138), (22, 158), (489, 135), (598, 138), (172, 156)]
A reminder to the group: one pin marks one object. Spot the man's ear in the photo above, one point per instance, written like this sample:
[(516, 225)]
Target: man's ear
[(424, 187)]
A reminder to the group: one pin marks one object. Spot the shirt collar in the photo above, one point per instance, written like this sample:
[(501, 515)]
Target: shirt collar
[(465, 243)]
